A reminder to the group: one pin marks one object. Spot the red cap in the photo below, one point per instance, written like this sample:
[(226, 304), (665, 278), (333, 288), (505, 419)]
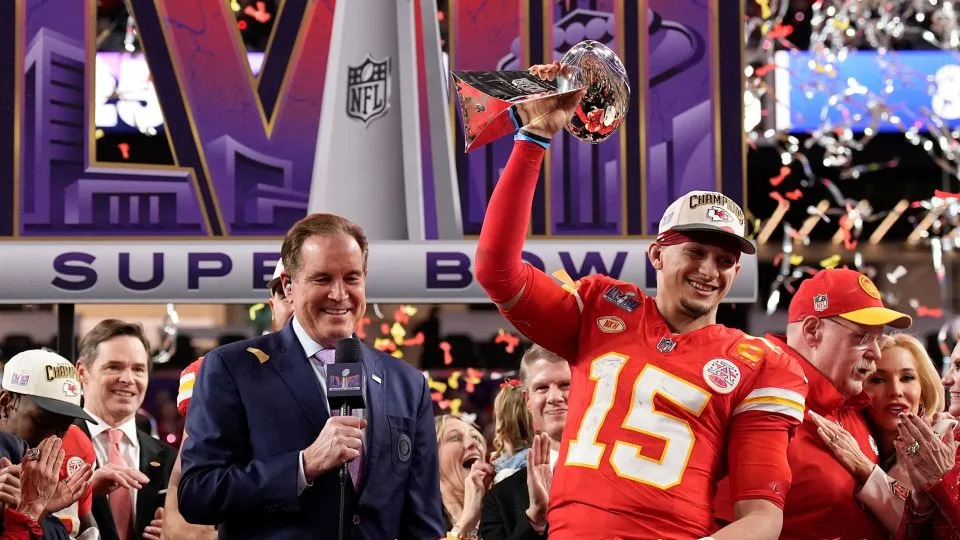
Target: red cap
[(844, 293)]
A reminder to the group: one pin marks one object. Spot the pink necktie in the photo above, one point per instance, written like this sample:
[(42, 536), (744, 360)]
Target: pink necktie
[(327, 356), (121, 500)]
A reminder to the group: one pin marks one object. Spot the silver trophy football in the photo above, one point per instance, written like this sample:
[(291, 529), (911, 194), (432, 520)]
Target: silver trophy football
[(491, 102)]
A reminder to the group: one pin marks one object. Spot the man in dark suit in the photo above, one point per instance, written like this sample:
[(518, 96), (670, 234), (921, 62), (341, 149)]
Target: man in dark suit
[(263, 452), (516, 508), (114, 367)]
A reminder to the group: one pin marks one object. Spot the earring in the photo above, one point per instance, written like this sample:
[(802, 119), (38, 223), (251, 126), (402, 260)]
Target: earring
[(921, 411)]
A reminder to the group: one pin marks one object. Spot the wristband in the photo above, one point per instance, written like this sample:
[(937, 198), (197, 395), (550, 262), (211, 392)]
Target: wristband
[(524, 135)]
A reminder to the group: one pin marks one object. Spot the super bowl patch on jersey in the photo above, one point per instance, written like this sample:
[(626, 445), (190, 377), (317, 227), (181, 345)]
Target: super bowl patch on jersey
[(722, 375)]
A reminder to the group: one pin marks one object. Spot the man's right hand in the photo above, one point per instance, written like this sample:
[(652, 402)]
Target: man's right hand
[(546, 116), (110, 477), (339, 442), (539, 480)]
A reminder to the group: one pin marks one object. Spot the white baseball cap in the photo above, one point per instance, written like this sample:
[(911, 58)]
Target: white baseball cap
[(276, 275), (49, 379), (707, 211)]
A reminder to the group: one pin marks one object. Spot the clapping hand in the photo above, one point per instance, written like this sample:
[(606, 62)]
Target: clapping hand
[(39, 476), (539, 479), (924, 454), (70, 489), (110, 477), (9, 483), (844, 447)]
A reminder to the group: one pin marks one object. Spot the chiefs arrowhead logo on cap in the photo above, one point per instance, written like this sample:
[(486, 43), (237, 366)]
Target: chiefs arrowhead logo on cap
[(868, 286)]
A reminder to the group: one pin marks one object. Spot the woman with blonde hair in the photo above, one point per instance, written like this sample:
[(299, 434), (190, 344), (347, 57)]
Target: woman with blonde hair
[(465, 474), (513, 434), (905, 382)]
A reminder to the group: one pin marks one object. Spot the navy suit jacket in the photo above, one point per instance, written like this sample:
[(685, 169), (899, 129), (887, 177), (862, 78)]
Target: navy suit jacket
[(257, 403)]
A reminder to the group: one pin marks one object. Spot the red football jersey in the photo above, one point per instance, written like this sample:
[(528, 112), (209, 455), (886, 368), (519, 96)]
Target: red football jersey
[(650, 412), (77, 450), (187, 379)]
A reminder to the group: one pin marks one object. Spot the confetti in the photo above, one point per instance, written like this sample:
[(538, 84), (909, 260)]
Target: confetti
[(777, 180), (511, 341), (897, 273), (447, 357), (830, 262)]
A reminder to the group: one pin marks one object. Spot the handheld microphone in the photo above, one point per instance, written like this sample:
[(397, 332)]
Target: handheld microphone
[(345, 392), (345, 377)]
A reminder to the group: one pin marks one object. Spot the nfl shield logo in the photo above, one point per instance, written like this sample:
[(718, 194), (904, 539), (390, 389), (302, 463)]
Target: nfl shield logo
[(368, 90), (666, 345), (820, 302)]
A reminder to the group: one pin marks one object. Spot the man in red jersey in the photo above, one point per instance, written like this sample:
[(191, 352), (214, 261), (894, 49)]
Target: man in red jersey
[(662, 400), (835, 322)]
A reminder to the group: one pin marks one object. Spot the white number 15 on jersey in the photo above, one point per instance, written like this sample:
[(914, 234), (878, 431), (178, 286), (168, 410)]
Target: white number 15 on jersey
[(626, 460)]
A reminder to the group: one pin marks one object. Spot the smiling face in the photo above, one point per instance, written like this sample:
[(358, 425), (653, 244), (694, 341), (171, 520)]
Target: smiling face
[(115, 379), (459, 446), (547, 389), (693, 277), (328, 291), (893, 388)]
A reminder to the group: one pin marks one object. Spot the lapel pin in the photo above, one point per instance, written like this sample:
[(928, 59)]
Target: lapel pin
[(261, 356), (376, 379)]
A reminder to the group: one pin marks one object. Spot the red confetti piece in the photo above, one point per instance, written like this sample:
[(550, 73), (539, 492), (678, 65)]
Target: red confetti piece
[(763, 70), (780, 31), (447, 357), (124, 150), (945, 195), (400, 316), (923, 311), (415, 340), (795, 195), (509, 339), (777, 180), (259, 13), (775, 195), (242, 25), (385, 328)]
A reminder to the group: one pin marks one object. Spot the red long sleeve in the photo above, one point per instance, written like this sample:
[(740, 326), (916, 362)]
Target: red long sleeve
[(500, 271), (17, 526), (545, 313)]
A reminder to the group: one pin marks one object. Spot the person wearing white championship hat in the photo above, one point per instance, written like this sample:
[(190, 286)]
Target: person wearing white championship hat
[(40, 398), (728, 401), (48, 381)]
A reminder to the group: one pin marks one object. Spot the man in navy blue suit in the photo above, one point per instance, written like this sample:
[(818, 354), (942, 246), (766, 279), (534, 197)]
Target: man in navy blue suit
[(264, 453)]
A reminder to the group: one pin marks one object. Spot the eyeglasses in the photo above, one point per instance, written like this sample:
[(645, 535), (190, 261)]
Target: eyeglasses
[(865, 339)]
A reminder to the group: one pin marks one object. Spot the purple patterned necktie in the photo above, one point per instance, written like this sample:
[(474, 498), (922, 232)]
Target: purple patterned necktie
[(326, 357)]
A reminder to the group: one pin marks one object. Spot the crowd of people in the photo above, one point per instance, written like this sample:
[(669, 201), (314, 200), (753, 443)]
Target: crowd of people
[(634, 416)]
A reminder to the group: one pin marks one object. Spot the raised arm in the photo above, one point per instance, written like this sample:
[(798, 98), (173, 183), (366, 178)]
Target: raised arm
[(538, 306)]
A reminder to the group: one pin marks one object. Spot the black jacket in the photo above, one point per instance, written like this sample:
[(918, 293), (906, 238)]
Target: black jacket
[(156, 461), (504, 513)]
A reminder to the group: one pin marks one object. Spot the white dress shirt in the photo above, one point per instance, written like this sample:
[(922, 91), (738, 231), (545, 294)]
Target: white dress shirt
[(311, 348), (129, 447)]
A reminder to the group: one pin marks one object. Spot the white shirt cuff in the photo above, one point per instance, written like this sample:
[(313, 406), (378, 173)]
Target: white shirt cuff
[(302, 483)]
